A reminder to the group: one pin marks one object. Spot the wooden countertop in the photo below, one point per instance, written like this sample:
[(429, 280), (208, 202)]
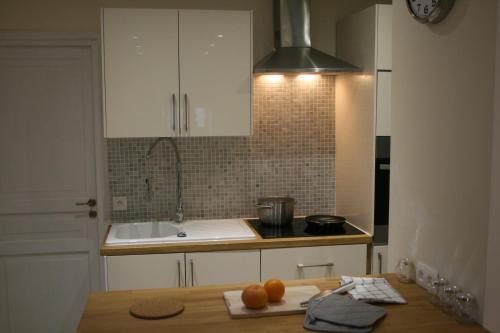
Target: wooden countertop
[(257, 243), (205, 312)]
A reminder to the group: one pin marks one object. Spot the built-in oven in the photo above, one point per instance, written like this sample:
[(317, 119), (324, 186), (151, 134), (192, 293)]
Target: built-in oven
[(382, 183)]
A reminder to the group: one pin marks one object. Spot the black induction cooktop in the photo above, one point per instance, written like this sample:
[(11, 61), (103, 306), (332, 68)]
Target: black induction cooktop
[(299, 228)]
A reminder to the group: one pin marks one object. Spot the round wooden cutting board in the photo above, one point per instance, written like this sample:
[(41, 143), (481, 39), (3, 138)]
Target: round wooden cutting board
[(156, 308)]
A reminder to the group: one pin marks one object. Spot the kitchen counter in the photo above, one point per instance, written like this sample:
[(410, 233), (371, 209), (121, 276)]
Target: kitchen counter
[(205, 312), (257, 243)]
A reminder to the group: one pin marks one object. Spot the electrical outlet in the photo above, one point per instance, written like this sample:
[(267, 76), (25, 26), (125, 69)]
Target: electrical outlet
[(425, 275), (119, 203)]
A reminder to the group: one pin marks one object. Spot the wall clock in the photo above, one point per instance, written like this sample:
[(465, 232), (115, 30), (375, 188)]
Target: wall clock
[(429, 11)]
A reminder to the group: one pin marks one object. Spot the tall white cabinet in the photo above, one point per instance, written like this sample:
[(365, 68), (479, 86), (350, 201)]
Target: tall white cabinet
[(176, 72), (363, 112)]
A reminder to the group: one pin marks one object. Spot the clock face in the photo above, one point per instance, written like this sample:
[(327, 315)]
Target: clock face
[(422, 8), (429, 11)]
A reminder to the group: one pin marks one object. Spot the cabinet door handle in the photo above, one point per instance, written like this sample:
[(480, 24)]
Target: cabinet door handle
[(191, 263), (385, 167), (179, 273), (379, 255), (174, 107), (328, 264), (186, 112)]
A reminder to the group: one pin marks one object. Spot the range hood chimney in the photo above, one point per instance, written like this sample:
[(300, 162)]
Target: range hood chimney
[(294, 53)]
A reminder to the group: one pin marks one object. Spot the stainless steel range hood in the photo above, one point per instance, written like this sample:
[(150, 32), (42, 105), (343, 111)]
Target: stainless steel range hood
[(294, 53)]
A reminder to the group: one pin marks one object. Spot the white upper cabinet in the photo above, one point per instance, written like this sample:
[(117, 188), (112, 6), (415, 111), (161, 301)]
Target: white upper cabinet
[(177, 73), (141, 76), (384, 37), (215, 52)]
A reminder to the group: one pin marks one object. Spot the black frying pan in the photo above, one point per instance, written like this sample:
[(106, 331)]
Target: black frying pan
[(325, 221)]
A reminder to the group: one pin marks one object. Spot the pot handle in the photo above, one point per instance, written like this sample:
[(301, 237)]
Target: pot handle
[(260, 206)]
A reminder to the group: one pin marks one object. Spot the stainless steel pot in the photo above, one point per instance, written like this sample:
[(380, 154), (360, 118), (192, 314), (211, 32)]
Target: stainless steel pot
[(275, 211)]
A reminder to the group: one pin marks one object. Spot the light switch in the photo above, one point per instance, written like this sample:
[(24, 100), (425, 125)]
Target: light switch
[(119, 203)]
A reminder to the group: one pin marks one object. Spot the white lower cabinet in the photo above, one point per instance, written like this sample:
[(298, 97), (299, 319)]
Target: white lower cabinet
[(145, 271), (313, 262), (379, 259), (228, 267), (205, 268), (182, 269)]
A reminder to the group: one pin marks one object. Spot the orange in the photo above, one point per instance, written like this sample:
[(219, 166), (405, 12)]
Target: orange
[(254, 297), (275, 290)]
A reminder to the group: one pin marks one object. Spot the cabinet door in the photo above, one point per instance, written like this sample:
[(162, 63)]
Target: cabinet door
[(205, 268), (384, 82), (379, 259), (384, 37), (145, 271), (215, 52), (313, 262), (141, 80)]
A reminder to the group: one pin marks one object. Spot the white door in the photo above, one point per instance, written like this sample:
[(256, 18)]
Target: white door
[(145, 271), (141, 72), (224, 267), (48, 245), (215, 52)]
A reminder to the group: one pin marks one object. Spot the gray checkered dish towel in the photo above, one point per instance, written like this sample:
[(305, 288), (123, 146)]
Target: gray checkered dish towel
[(373, 290), (344, 314)]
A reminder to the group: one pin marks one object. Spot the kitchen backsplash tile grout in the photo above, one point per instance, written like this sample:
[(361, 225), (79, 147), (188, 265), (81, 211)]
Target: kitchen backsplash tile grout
[(291, 151)]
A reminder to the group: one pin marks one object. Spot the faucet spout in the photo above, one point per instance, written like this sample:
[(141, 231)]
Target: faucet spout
[(179, 215)]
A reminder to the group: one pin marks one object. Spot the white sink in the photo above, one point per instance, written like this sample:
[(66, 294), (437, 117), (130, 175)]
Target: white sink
[(169, 232)]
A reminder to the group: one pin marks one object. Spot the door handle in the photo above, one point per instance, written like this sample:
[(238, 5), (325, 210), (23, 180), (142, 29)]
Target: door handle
[(186, 112), (379, 255), (174, 107), (179, 273), (91, 203), (191, 263), (328, 264)]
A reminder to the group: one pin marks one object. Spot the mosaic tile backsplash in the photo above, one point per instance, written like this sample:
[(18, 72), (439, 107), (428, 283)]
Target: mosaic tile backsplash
[(291, 152)]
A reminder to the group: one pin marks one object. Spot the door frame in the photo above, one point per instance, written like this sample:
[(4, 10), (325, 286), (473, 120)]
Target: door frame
[(92, 41)]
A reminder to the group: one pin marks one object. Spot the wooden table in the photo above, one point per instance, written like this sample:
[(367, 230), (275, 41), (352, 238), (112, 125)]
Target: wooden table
[(205, 312)]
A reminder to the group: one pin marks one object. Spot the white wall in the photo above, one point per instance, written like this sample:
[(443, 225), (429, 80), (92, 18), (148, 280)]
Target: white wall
[(492, 294), (443, 81)]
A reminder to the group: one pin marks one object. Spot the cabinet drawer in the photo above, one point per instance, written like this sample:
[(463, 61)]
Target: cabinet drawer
[(145, 271), (313, 262), (225, 267)]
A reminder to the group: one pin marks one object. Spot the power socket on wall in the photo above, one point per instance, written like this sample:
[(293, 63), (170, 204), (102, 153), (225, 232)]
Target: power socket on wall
[(119, 203), (425, 275)]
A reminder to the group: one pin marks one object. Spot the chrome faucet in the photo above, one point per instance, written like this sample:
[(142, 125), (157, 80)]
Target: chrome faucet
[(179, 215)]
